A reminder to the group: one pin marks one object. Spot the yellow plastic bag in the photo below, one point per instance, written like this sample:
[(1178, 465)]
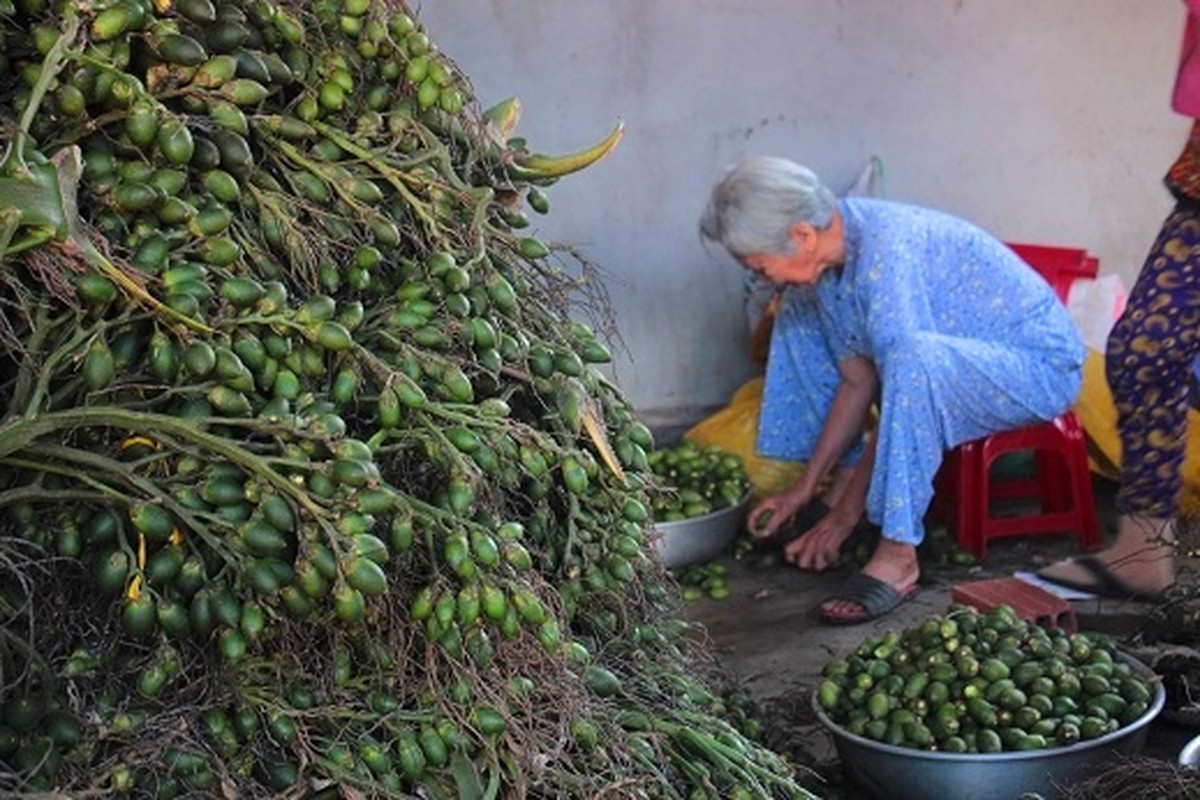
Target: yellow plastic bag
[(1098, 416), (735, 429)]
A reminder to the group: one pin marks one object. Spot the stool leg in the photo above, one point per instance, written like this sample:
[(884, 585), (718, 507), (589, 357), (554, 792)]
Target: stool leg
[(1085, 501), (1056, 492), (1081, 478), (972, 503)]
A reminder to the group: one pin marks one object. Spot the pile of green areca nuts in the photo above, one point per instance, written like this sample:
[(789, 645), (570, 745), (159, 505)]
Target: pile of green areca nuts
[(971, 682), (310, 486), (696, 479)]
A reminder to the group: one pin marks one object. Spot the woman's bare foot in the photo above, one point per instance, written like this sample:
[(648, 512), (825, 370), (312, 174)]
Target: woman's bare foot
[(893, 563), (1141, 559)]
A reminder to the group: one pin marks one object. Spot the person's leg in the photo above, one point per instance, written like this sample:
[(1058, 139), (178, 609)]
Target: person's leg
[(940, 391), (937, 392), (1148, 363)]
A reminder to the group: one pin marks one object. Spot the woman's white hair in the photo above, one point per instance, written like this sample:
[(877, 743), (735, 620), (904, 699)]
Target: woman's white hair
[(755, 204)]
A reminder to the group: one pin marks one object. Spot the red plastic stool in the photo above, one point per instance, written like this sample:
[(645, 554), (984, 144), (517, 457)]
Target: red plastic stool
[(1031, 603), (1060, 266), (1062, 483), (1061, 486)]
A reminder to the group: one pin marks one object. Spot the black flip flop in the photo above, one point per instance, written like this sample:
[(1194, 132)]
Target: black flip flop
[(876, 598), (1104, 583)]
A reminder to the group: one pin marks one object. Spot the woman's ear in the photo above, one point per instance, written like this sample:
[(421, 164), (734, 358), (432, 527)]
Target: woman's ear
[(803, 236)]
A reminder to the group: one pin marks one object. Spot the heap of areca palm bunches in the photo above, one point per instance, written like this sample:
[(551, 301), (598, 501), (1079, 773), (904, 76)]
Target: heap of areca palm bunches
[(308, 481)]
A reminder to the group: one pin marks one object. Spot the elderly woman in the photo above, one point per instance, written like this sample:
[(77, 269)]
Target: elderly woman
[(925, 315)]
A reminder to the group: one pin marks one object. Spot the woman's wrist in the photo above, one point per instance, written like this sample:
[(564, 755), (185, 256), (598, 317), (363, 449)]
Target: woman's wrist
[(799, 494), (848, 510)]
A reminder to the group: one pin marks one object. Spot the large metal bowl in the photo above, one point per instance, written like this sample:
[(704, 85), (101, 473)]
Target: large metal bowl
[(1189, 756), (902, 773), (699, 539)]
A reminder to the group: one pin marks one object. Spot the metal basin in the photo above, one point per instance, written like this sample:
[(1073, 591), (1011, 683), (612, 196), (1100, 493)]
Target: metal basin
[(901, 773), (1189, 756), (699, 539)]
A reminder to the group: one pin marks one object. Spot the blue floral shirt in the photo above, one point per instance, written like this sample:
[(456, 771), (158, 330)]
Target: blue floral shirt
[(913, 269)]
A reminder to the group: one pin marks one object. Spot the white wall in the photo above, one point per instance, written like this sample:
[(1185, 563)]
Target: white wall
[(1041, 120)]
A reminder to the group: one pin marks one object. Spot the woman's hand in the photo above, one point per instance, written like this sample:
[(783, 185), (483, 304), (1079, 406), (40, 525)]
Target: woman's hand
[(770, 512), (820, 547)]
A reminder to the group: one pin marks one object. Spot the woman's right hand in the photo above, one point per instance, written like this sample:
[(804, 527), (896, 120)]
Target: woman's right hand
[(768, 513)]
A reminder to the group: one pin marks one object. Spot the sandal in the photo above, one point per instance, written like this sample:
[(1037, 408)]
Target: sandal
[(1104, 582), (874, 597)]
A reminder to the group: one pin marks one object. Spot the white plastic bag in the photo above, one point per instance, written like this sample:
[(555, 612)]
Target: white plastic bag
[(1094, 306), (870, 181)]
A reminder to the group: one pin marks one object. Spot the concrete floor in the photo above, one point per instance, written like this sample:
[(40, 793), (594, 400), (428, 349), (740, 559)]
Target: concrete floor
[(767, 639)]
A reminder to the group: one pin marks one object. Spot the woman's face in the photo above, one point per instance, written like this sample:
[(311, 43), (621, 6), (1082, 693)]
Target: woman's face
[(790, 268), (800, 265)]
